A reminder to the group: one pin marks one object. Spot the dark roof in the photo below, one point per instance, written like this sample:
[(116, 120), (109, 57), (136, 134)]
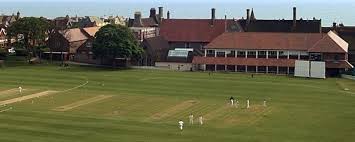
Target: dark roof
[(194, 30), (312, 42), (302, 26), (145, 22), (157, 47), (5, 20), (156, 43)]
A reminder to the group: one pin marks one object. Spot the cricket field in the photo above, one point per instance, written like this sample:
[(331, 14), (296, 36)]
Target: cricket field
[(85, 104)]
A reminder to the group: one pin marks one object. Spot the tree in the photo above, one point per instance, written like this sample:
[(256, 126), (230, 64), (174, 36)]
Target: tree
[(33, 30), (116, 41)]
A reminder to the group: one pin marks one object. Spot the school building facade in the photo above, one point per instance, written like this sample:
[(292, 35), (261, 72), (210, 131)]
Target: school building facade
[(273, 52)]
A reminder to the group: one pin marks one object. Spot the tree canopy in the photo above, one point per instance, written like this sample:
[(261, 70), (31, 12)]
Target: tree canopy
[(33, 30), (115, 41)]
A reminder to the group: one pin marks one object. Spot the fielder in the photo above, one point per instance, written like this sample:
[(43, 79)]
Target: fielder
[(236, 103), (181, 124), (264, 104), (20, 89), (232, 100), (248, 103), (200, 119), (191, 118)]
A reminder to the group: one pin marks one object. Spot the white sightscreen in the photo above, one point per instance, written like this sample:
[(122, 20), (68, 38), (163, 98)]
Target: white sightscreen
[(302, 68), (317, 69)]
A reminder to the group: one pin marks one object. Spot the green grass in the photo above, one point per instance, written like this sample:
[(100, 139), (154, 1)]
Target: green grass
[(146, 106)]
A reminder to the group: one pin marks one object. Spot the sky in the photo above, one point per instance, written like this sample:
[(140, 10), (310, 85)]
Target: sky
[(340, 11), (169, 1)]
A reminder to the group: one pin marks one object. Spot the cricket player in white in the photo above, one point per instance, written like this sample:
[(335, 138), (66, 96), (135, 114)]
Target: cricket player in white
[(248, 103), (264, 103), (20, 89), (200, 119), (191, 118), (232, 101), (181, 124)]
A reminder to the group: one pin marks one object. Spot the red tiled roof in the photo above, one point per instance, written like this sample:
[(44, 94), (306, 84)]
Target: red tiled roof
[(73, 35), (192, 30), (331, 43), (311, 42), (265, 41), (91, 30), (244, 61)]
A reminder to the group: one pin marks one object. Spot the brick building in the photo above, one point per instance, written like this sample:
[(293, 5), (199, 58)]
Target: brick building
[(348, 34), (273, 52), (195, 33)]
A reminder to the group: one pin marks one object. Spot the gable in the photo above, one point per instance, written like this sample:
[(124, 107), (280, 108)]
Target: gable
[(330, 43), (2, 32)]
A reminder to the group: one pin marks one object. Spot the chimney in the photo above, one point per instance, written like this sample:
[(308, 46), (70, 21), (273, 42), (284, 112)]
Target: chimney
[(294, 17), (152, 13), (161, 12), (334, 26), (18, 15), (225, 23), (248, 14), (137, 19), (168, 15), (213, 15)]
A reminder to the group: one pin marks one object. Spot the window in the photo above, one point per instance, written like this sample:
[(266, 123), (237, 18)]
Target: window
[(272, 54), (261, 54), (231, 68), (283, 54), (261, 69), (221, 54), (210, 67), (316, 57), (231, 54), (210, 53), (251, 54), (304, 56), (241, 54), (293, 54)]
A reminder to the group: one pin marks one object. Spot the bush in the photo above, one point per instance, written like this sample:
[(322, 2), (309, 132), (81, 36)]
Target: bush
[(3, 53), (21, 52)]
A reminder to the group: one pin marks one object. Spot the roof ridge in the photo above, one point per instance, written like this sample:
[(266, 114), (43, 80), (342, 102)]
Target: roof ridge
[(317, 42), (336, 40)]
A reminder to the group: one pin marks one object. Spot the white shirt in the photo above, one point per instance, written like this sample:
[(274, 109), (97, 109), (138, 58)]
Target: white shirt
[(191, 116), (181, 123)]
